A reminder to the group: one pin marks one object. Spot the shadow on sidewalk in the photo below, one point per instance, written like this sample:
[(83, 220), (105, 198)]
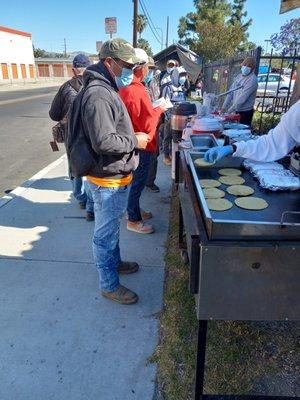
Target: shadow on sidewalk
[(44, 222)]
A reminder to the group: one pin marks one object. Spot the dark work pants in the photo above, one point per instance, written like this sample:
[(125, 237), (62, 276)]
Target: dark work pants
[(246, 117), (152, 169), (167, 142), (138, 184)]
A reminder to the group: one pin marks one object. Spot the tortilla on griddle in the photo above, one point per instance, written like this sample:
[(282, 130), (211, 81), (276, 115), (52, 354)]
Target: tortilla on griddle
[(213, 193), (200, 162), (240, 190), (209, 183), (230, 171), (251, 203), (219, 204), (232, 180)]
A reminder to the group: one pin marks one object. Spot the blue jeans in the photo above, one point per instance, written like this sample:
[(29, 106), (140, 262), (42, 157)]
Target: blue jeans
[(82, 193), (109, 208), (140, 176)]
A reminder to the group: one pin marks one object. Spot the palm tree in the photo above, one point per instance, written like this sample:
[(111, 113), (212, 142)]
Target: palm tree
[(142, 22)]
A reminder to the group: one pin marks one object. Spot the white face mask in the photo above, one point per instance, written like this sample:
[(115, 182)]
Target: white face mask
[(170, 69)]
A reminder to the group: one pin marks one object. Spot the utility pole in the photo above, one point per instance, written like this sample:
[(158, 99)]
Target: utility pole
[(167, 33), (135, 16), (65, 48)]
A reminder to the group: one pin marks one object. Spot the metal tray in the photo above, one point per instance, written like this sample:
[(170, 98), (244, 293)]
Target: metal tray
[(235, 125), (280, 221), (203, 142)]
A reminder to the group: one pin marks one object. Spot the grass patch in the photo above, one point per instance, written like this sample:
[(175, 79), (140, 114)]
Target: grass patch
[(241, 358)]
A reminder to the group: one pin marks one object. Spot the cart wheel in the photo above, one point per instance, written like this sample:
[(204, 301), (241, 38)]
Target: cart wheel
[(184, 256)]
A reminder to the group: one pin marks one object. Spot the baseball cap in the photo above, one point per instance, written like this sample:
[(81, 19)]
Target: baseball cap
[(142, 55), (171, 62), (81, 61), (151, 62), (119, 48), (181, 70)]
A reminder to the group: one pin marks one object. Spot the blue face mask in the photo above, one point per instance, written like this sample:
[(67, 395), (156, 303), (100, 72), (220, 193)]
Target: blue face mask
[(245, 70), (125, 79), (182, 80), (149, 77)]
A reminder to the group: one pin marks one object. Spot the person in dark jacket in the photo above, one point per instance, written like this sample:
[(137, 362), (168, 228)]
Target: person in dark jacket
[(58, 112), (107, 125)]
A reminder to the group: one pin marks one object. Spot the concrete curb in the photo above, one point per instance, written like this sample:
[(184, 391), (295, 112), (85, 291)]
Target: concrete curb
[(30, 85), (25, 185)]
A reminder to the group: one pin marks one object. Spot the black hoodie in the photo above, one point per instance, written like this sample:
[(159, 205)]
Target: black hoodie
[(64, 98), (107, 123)]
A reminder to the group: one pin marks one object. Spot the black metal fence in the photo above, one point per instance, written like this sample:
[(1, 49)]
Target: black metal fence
[(276, 76)]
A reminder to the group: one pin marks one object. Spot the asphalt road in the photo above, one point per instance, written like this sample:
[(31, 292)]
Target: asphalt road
[(25, 132)]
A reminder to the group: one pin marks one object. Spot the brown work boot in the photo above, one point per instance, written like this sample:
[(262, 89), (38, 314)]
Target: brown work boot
[(121, 295), (127, 267), (139, 227), (144, 214), (90, 216), (167, 160)]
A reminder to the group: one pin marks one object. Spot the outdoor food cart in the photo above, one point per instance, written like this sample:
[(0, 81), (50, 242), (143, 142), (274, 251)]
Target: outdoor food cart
[(244, 264)]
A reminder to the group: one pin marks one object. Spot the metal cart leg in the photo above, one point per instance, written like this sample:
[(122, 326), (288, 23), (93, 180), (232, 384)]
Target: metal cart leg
[(200, 366)]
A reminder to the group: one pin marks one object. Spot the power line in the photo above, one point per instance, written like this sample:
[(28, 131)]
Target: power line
[(149, 17), (151, 24)]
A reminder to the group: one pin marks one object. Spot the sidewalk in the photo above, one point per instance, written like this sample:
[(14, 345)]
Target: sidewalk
[(60, 339), (16, 86)]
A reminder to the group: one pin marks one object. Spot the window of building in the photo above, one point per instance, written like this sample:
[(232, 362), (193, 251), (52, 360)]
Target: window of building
[(23, 71), (14, 70), (4, 71)]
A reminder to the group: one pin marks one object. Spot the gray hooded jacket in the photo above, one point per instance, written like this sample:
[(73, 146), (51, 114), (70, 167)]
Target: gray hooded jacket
[(107, 124)]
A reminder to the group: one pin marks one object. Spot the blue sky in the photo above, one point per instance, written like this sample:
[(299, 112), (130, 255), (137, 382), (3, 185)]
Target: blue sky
[(82, 23)]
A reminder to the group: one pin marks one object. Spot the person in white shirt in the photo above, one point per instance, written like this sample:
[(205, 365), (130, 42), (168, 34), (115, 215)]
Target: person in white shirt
[(165, 79), (271, 147)]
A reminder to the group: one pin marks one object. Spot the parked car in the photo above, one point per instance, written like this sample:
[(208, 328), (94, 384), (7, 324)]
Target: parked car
[(274, 82)]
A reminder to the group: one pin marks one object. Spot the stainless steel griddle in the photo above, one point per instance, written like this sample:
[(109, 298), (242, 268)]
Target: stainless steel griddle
[(280, 219)]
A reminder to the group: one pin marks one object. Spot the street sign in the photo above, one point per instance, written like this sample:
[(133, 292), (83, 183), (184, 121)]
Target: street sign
[(99, 45), (111, 25)]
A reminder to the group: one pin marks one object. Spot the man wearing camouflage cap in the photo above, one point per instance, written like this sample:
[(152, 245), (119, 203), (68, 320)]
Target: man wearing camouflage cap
[(107, 124)]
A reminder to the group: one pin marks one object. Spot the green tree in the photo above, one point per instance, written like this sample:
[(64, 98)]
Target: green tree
[(238, 14), (288, 39), (145, 45), (237, 17), (209, 32), (39, 52), (142, 23)]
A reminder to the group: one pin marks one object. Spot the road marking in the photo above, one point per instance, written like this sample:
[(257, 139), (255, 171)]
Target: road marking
[(37, 96), (25, 185)]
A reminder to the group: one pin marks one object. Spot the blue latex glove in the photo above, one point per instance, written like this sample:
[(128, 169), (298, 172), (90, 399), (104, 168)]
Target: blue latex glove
[(217, 153)]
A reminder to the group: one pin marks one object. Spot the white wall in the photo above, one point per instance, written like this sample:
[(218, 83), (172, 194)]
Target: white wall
[(15, 49)]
